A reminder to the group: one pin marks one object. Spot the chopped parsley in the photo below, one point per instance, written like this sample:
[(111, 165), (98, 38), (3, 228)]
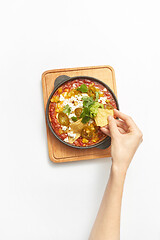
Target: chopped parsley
[(87, 101), (74, 119), (83, 88), (67, 109), (85, 119), (97, 96), (85, 115)]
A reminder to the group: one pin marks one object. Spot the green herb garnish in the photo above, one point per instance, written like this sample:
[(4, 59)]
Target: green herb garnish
[(85, 115), (85, 119), (87, 101), (74, 119), (83, 88), (97, 96), (67, 109), (85, 112), (90, 108)]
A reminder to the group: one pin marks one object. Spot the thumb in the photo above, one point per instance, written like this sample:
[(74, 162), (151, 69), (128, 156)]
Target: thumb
[(112, 126)]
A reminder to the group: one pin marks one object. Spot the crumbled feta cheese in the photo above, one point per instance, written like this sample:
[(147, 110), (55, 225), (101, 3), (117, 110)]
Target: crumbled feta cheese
[(71, 134), (73, 98), (72, 102), (79, 97), (69, 128), (64, 128), (66, 139), (104, 89), (102, 100), (61, 98), (84, 95)]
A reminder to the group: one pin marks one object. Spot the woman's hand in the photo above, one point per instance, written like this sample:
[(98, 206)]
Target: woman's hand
[(125, 139)]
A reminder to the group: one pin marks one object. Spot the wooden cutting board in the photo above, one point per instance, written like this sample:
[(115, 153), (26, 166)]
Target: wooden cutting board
[(59, 152)]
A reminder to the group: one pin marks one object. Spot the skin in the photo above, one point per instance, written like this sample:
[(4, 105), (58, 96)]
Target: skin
[(125, 139)]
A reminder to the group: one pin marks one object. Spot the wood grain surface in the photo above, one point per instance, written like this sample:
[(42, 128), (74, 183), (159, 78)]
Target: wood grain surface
[(59, 152)]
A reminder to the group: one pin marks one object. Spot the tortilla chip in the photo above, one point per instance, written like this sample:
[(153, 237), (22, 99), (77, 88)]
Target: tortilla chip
[(77, 126), (72, 140), (102, 116)]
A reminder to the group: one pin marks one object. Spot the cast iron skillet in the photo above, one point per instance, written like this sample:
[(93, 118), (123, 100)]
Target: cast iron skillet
[(63, 79)]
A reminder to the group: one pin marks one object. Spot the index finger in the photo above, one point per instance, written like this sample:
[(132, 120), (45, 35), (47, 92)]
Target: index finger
[(129, 121)]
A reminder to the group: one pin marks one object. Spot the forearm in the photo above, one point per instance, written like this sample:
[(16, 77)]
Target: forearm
[(107, 224)]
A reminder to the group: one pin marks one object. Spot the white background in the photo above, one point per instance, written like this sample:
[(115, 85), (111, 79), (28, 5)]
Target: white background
[(40, 200)]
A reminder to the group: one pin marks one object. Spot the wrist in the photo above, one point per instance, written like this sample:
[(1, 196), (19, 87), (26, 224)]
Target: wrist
[(118, 171), (117, 177)]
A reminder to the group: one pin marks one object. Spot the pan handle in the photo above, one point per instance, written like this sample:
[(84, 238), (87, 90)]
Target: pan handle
[(61, 79)]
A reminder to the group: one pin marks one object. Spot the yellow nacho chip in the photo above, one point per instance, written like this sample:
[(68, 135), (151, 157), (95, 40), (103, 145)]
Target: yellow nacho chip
[(102, 116), (72, 140), (77, 126)]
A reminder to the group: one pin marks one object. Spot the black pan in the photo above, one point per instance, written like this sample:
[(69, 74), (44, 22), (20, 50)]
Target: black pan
[(63, 79)]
